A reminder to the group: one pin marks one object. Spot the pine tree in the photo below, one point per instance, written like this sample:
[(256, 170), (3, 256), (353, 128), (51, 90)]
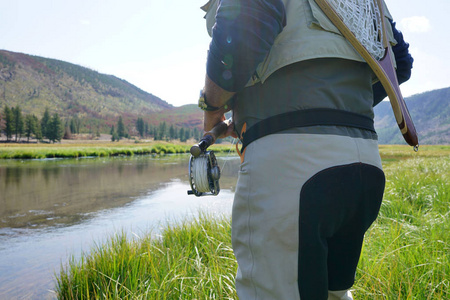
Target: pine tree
[(182, 135), (56, 129), (45, 124), (147, 129), (114, 136), (120, 128), (18, 123), (8, 116), (176, 136), (172, 132), (30, 126), (140, 126), (187, 134), (37, 129), (162, 130)]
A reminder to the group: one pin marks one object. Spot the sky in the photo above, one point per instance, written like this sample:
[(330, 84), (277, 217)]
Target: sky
[(161, 46)]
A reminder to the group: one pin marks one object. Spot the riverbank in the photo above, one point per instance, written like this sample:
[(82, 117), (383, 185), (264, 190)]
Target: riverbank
[(106, 148), (80, 148), (405, 255)]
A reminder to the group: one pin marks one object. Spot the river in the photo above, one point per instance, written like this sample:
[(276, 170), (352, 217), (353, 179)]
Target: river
[(52, 210)]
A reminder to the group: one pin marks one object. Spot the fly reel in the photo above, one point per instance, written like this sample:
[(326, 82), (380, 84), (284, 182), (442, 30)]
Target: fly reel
[(204, 175), (204, 172)]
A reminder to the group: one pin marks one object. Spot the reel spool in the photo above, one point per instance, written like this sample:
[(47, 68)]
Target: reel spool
[(204, 174)]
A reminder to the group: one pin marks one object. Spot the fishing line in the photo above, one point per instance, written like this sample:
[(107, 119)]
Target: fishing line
[(200, 166)]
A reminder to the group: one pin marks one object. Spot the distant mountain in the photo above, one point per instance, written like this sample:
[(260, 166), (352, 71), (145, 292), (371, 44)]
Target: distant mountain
[(35, 83), (430, 112)]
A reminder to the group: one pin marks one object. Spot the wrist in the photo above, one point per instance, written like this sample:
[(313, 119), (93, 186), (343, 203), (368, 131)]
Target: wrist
[(204, 105), (212, 118), (215, 95)]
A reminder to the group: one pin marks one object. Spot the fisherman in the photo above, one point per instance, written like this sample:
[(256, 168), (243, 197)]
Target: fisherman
[(311, 181)]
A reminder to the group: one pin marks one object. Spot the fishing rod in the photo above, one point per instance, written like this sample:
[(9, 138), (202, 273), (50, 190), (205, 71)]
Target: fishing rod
[(204, 171)]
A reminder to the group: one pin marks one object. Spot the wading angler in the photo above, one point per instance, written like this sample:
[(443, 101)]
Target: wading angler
[(301, 80)]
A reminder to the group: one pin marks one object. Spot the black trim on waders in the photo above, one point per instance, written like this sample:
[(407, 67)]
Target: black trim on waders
[(305, 118)]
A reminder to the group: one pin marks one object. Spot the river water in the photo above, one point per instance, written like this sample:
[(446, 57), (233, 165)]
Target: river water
[(52, 210)]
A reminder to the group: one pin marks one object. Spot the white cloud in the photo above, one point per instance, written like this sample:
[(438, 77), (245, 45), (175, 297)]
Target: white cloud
[(85, 22), (417, 24)]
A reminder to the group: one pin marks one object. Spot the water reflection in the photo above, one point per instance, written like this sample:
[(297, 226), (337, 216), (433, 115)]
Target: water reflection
[(61, 192), (51, 209)]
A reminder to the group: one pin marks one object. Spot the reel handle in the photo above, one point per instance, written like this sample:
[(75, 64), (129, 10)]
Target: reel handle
[(209, 138)]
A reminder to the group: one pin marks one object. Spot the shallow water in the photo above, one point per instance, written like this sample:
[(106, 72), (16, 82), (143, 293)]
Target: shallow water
[(53, 209)]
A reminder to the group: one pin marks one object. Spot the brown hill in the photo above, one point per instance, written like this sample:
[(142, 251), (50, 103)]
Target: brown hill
[(35, 83)]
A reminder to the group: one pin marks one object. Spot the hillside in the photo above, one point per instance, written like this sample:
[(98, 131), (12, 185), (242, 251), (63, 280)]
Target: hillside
[(430, 112), (35, 83)]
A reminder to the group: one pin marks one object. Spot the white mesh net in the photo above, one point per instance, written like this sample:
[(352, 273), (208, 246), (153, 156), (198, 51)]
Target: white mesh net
[(363, 18)]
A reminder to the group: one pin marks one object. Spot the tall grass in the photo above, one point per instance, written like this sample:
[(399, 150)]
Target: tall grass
[(405, 254), (407, 251), (192, 260)]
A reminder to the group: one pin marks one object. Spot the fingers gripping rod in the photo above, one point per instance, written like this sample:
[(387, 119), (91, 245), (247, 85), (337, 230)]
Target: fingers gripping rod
[(204, 172)]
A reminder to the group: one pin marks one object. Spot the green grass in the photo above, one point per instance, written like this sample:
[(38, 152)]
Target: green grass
[(192, 260), (406, 253), (41, 151)]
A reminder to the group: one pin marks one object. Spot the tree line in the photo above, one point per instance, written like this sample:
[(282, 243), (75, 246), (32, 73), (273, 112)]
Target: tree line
[(17, 125), (160, 132)]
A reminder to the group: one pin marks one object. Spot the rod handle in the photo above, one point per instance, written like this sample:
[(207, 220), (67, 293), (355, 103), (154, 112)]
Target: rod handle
[(209, 138)]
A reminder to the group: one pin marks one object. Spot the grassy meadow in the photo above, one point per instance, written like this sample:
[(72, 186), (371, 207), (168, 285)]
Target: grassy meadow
[(96, 149), (406, 254)]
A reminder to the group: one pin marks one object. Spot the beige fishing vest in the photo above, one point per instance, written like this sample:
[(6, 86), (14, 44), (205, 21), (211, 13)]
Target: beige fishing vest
[(308, 34)]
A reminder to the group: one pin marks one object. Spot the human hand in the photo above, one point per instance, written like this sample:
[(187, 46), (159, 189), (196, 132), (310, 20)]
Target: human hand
[(212, 122)]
